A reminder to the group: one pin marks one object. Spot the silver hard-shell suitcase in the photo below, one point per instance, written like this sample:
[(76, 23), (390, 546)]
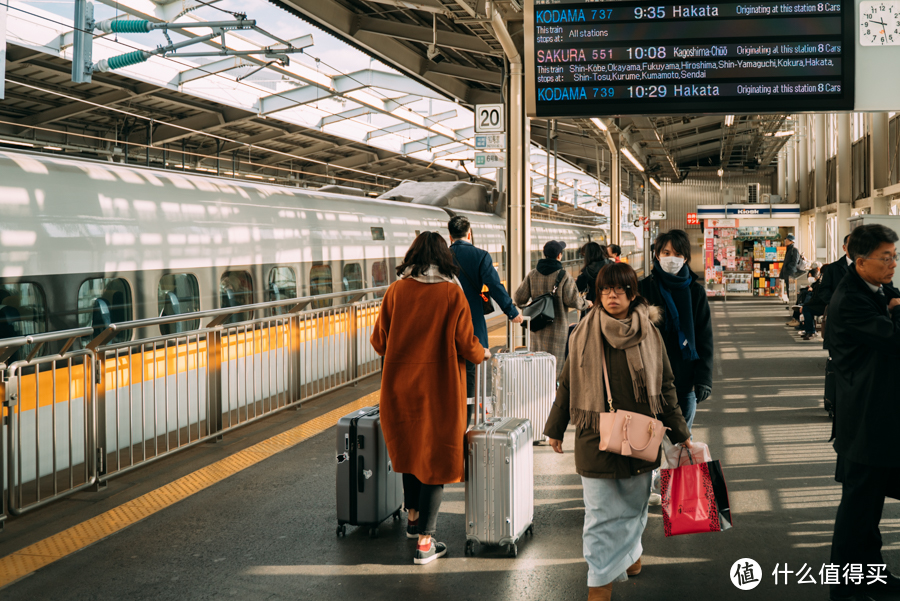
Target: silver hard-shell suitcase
[(368, 489), (524, 385), (499, 479)]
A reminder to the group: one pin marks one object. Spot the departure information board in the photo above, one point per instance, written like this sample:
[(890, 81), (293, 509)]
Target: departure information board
[(624, 58)]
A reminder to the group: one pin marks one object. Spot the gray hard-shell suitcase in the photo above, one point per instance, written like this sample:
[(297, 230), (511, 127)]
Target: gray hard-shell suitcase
[(524, 385), (499, 480), (368, 488)]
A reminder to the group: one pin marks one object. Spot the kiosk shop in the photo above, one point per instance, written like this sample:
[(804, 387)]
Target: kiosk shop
[(744, 247)]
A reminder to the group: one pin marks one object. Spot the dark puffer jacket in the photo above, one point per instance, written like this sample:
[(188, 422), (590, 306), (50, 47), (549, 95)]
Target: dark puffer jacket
[(687, 373)]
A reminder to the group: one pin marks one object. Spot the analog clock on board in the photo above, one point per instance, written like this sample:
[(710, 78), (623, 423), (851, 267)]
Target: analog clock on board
[(879, 23)]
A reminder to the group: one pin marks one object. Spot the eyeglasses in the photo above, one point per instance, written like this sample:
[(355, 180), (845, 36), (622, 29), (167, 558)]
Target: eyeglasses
[(617, 289), (886, 260)]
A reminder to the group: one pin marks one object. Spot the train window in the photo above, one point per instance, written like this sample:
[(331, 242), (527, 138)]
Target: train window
[(377, 233), (236, 290), (379, 276), (177, 294), (320, 283), (352, 278), (282, 285), (102, 301), (23, 312)]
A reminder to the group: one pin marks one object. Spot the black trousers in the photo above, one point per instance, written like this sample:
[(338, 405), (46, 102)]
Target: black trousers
[(470, 379), (424, 498), (857, 537)]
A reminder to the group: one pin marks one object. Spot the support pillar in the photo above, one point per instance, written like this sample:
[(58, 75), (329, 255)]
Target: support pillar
[(615, 187), (781, 186), (646, 224), (879, 155), (844, 160), (803, 163), (791, 151), (821, 191), (518, 212)]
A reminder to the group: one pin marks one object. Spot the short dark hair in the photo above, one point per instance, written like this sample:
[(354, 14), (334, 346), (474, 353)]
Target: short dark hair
[(619, 275), (459, 226), (615, 249), (814, 272), (592, 252), (866, 238), (429, 248), (847, 237), (680, 242)]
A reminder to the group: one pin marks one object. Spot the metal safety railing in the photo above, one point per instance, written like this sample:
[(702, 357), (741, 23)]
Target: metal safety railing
[(80, 417)]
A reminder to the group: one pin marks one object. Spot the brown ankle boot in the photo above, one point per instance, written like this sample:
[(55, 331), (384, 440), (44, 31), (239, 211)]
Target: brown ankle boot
[(600, 593), (635, 569)]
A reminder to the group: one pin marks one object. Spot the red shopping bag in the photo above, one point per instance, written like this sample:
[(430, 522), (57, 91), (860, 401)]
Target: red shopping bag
[(695, 499)]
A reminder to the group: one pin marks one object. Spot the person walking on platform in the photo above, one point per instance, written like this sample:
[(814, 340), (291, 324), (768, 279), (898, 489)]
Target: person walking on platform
[(687, 324), (790, 267), (547, 276), (594, 260), (477, 271), (864, 341), (615, 253), (424, 332), (619, 332)]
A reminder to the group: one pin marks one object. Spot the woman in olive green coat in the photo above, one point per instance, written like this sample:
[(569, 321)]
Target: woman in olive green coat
[(616, 488)]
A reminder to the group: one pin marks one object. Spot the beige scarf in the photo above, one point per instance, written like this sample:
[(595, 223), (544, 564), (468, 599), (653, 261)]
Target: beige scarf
[(430, 276), (643, 347)]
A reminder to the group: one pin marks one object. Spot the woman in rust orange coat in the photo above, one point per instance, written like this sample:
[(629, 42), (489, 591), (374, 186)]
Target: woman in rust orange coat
[(424, 332)]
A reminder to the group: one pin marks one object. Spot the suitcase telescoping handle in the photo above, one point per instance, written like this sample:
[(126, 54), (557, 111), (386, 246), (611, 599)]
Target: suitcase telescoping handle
[(511, 335), (481, 380)]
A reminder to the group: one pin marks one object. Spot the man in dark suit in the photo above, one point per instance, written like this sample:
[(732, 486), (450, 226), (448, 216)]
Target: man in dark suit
[(864, 340), (832, 274), (790, 267), (476, 272)]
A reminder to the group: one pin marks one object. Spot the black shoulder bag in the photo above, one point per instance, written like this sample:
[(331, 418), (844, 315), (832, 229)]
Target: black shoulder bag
[(542, 311), (486, 306)]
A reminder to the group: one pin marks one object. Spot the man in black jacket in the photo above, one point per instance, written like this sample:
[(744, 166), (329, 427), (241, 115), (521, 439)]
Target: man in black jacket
[(832, 275), (864, 340), (790, 267), (476, 272)]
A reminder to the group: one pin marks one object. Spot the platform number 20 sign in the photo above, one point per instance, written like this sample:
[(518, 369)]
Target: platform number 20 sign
[(489, 118)]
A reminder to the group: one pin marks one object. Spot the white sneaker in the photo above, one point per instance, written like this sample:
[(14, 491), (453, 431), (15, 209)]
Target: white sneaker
[(655, 499)]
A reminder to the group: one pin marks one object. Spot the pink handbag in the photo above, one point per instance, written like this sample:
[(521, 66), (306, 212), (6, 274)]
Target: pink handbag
[(628, 433)]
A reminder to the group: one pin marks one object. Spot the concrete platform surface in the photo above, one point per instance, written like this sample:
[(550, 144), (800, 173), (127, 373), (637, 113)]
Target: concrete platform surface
[(268, 532)]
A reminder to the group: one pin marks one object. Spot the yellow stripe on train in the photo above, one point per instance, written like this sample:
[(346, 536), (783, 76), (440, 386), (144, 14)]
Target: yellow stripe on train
[(183, 358)]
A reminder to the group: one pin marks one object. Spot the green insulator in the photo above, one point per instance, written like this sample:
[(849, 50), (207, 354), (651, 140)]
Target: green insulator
[(126, 60), (123, 26)]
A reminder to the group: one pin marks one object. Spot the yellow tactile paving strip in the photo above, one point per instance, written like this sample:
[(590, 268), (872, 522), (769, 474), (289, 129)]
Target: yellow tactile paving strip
[(44, 552)]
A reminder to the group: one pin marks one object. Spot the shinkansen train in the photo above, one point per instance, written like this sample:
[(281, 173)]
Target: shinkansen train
[(85, 241), (89, 243)]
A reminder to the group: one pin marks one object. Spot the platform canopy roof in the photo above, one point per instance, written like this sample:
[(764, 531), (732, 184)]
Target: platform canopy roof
[(470, 69)]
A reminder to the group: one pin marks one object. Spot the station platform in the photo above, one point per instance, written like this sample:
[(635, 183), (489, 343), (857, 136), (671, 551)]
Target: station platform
[(253, 517)]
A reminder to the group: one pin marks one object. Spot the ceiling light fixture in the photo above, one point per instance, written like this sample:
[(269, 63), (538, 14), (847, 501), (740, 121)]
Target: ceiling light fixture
[(729, 120), (600, 124), (655, 185), (631, 158), (782, 134)]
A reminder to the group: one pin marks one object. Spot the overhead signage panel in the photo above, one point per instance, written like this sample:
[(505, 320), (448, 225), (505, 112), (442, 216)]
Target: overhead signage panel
[(626, 58)]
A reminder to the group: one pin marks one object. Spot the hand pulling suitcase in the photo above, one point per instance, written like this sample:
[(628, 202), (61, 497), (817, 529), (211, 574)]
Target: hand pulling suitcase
[(368, 488), (524, 385), (499, 479)]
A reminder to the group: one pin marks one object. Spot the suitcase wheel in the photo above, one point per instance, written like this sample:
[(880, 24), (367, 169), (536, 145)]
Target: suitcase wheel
[(373, 532), (512, 550), (396, 515), (342, 530), (530, 530), (470, 548)]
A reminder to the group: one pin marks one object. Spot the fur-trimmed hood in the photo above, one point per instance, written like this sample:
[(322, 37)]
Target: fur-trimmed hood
[(655, 314)]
